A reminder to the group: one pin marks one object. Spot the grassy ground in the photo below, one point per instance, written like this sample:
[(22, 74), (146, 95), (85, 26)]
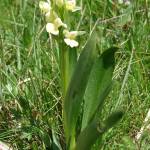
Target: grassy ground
[(29, 75)]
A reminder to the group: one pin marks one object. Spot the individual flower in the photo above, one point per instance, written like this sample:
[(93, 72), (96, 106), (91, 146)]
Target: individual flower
[(70, 37), (45, 6), (71, 5), (53, 28)]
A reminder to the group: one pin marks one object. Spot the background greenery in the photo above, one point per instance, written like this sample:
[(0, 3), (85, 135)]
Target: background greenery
[(29, 76)]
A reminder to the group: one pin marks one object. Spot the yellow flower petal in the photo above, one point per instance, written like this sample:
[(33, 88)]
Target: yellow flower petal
[(70, 5), (44, 6), (59, 23), (70, 35), (51, 28), (71, 43)]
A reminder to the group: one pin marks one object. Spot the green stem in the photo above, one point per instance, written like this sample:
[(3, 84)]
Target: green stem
[(64, 70), (72, 144), (68, 59)]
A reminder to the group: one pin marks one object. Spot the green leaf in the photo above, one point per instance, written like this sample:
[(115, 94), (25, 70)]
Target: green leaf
[(99, 85), (95, 130), (112, 119), (71, 61), (77, 87), (88, 136)]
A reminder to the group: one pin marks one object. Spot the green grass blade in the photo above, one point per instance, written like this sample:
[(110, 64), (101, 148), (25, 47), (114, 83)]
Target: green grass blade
[(77, 86), (99, 84)]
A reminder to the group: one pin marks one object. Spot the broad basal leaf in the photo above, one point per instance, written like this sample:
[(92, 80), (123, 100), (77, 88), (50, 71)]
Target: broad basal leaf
[(77, 87), (99, 84), (95, 130)]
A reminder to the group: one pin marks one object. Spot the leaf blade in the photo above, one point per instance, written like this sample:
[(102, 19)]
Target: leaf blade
[(99, 84), (77, 86), (95, 130)]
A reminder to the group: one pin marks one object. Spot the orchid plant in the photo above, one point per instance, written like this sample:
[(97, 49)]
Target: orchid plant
[(85, 80)]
